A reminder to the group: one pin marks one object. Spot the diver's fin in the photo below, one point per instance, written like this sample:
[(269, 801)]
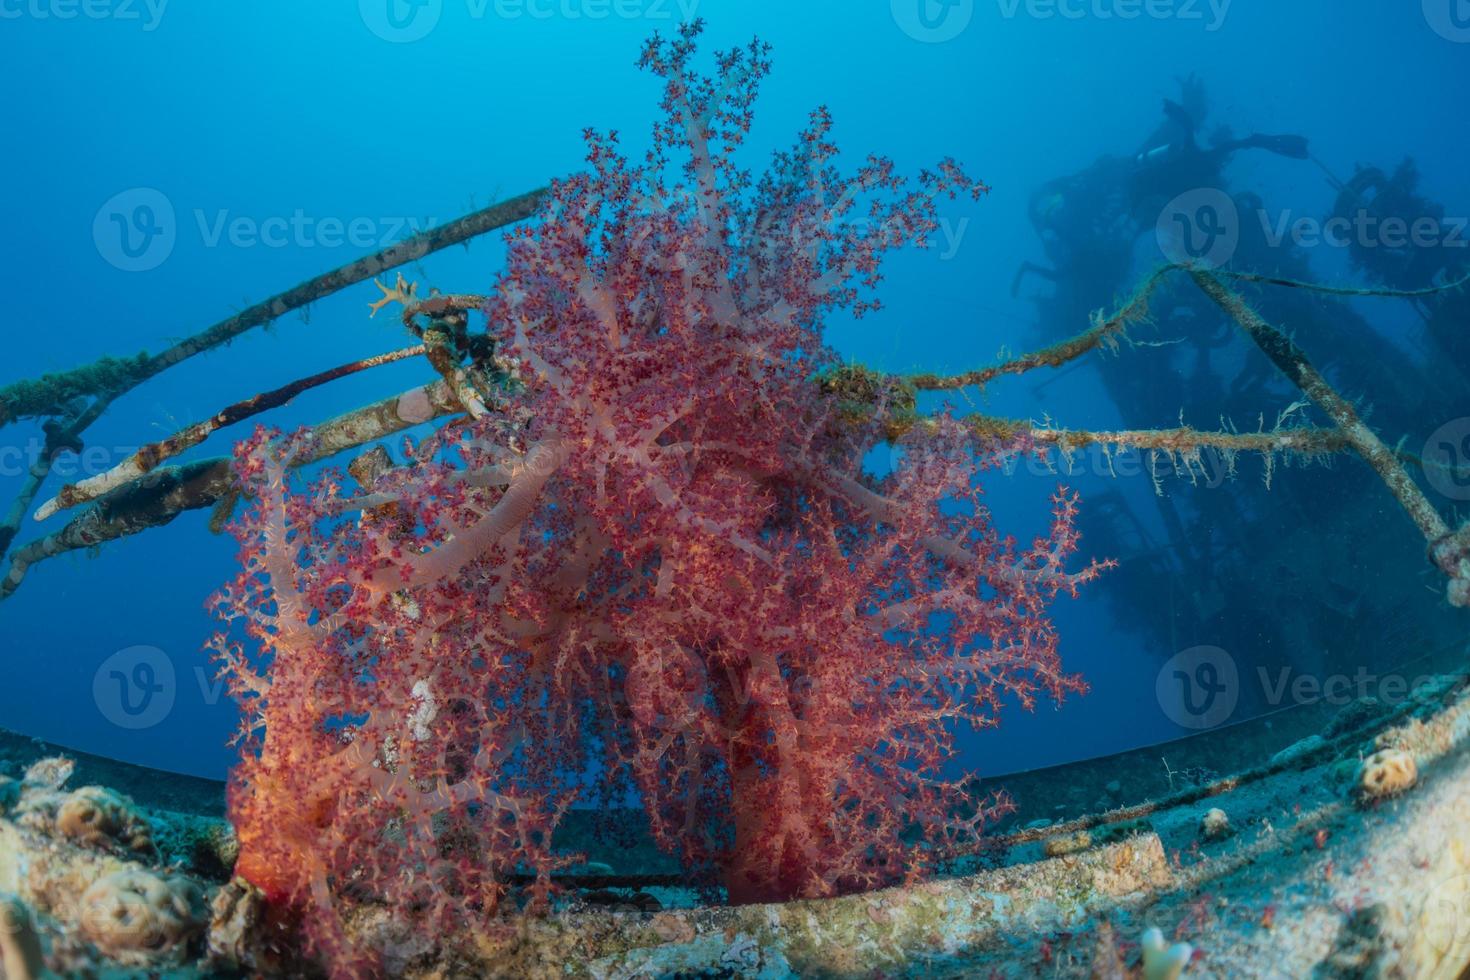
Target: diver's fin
[(1287, 146)]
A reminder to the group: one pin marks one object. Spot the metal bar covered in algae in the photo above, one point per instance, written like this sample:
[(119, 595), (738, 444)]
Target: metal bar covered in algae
[(156, 496)]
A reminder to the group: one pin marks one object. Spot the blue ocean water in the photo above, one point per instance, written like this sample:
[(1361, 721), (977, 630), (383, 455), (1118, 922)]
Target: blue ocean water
[(276, 140)]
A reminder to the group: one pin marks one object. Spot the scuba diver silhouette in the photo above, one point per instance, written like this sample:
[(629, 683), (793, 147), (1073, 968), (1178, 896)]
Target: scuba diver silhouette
[(1172, 161), (1179, 119), (1087, 220)]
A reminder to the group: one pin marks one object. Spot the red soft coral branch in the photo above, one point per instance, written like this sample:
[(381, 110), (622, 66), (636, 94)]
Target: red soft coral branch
[(665, 552)]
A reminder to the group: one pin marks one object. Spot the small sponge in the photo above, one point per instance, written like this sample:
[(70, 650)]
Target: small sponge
[(1162, 961), (1215, 825), (1386, 773)]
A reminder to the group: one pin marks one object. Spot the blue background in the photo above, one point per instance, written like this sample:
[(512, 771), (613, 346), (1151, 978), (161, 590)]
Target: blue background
[(258, 110)]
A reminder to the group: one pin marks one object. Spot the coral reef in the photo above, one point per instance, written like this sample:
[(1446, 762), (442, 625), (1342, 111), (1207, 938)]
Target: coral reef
[(98, 817), (46, 775), (648, 562), (89, 886), (237, 927), (92, 816), (1309, 883), (134, 915), (1386, 773), (1215, 824)]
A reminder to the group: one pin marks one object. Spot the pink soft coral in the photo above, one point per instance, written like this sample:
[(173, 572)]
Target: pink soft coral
[(659, 558)]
